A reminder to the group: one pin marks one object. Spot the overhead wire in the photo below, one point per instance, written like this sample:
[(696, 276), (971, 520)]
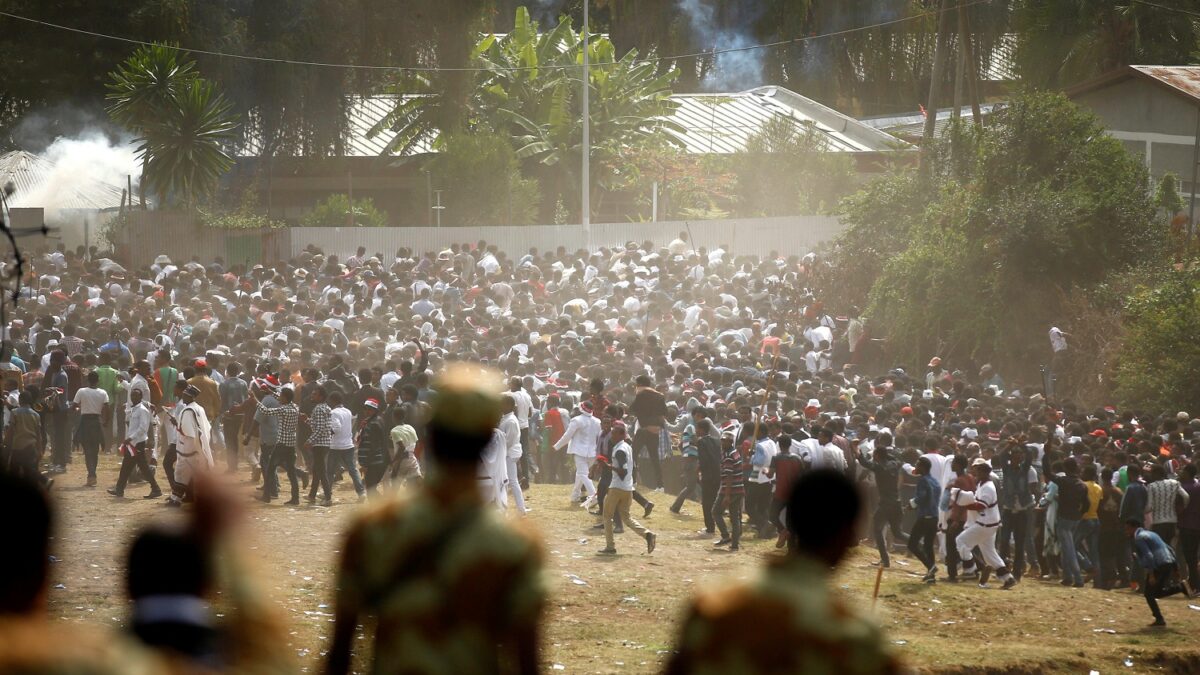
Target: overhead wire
[(355, 66)]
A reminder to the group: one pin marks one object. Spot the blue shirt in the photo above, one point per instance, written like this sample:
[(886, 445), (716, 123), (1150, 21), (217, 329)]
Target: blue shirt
[(1151, 550), (268, 425), (927, 497)]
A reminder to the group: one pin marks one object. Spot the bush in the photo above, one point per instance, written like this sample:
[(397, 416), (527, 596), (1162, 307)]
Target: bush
[(787, 170), (975, 257), (483, 182), (334, 212), (1158, 361)]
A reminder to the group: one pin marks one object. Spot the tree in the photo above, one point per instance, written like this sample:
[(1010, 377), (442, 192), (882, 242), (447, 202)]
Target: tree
[(787, 170), (335, 211), (183, 124), (529, 92), (1063, 42), (1158, 360), (1040, 203), (484, 182), (142, 88)]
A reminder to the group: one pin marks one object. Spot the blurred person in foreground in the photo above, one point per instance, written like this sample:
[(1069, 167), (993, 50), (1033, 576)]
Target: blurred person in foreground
[(788, 620), (30, 643), (452, 587), (176, 573)]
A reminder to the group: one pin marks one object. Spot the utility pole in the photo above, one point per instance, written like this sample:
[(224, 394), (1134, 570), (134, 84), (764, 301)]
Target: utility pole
[(935, 80), (585, 188)]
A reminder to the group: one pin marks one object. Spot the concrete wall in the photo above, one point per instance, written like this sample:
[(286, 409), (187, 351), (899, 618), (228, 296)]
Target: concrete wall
[(788, 235), (181, 236)]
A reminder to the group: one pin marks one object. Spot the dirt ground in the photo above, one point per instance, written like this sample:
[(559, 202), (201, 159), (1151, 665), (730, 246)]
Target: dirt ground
[(619, 614)]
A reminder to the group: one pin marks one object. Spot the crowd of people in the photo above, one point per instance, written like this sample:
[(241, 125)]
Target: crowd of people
[(722, 375)]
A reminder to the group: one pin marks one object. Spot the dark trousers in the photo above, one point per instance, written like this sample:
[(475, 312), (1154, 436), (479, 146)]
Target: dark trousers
[(1014, 525), (758, 498), (1164, 530), (169, 458), (280, 456), (1162, 585), (320, 472), (139, 461), (230, 426), (374, 475), (23, 463), (1189, 548), (691, 488), (921, 539), (1112, 568), (953, 529), (735, 517), (523, 464), (710, 490), (91, 437), (264, 460), (776, 515), (887, 513), (59, 426), (647, 441)]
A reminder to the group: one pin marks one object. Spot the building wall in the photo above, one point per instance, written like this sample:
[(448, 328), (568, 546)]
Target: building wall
[(1152, 123)]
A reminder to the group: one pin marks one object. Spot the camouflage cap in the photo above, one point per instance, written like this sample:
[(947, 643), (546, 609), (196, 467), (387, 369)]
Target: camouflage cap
[(468, 399)]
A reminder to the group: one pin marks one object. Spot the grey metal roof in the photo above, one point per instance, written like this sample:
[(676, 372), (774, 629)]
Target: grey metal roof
[(723, 123), (28, 172), (713, 123), (913, 124)]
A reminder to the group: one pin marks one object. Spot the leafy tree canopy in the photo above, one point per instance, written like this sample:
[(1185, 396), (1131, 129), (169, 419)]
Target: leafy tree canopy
[(976, 259)]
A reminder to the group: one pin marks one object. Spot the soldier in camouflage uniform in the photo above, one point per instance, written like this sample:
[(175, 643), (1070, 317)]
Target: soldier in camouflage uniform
[(453, 588), (788, 620)]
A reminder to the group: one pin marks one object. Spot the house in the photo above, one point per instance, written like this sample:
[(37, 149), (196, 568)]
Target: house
[(713, 124), (1154, 111)]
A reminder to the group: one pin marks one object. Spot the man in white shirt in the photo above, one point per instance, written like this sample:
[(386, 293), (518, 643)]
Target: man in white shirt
[(821, 453), (511, 429), (983, 523), (523, 408), (92, 404), (342, 452), (493, 470), (620, 492), (193, 444), (133, 450), (582, 435)]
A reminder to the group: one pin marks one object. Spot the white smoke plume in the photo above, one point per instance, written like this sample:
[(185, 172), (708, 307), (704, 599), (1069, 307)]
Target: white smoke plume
[(731, 70), (89, 157)]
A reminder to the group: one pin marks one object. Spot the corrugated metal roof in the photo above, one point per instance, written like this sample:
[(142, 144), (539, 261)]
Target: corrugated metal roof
[(723, 123), (713, 123), (1183, 79), (28, 172), (913, 124)]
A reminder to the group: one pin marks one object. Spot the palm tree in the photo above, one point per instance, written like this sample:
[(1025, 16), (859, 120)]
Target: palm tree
[(142, 87), (1063, 42), (186, 149), (529, 91), (182, 122)]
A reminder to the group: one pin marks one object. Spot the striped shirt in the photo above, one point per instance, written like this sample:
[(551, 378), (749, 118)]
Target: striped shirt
[(320, 422), (733, 473), (288, 415)]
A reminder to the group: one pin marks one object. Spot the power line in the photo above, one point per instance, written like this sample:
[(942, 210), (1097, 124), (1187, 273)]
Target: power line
[(354, 66)]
